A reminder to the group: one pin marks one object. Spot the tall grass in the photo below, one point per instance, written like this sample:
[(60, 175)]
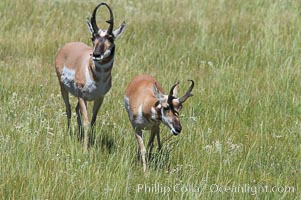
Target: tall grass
[(241, 128)]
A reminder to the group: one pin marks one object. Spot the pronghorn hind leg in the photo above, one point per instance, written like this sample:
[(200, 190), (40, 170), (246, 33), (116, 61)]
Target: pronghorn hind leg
[(65, 96), (141, 149)]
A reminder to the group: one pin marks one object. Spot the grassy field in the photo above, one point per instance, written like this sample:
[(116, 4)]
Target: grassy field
[(241, 135)]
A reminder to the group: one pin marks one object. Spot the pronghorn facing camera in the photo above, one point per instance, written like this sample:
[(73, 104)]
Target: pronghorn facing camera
[(147, 106), (85, 71)]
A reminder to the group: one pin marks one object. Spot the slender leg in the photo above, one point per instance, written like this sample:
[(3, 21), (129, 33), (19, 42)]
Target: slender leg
[(84, 116), (96, 106), (65, 96), (142, 150), (158, 139), (151, 141), (79, 122)]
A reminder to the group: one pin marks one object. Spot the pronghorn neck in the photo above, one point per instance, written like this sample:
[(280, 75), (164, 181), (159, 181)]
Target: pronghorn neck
[(101, 71), (103, 66), (158, 111), (156, 116), (149, 119)]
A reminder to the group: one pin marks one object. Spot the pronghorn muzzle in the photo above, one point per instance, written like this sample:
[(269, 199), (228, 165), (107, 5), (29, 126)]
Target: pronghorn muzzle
[(101, 53), (177, 127)]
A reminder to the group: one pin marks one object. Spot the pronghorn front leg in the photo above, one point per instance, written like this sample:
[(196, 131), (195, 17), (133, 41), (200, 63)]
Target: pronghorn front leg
[(96, 106), (82, 118), (141, 148), (151, 141)]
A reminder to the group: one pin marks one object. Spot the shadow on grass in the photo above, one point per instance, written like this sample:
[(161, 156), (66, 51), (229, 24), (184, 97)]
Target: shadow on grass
[(103, 141), (97, 139), (161, 160)]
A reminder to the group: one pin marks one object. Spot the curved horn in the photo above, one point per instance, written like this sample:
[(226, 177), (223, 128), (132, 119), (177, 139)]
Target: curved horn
[(170, 96), (110, 21), (93, 20), (188, 93)]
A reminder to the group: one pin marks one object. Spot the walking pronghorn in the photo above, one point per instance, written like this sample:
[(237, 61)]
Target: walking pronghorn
[(147, 106), (85, 72)]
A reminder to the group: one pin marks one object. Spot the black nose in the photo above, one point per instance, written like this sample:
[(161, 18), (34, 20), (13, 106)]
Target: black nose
[(178, 130), (96, 54)]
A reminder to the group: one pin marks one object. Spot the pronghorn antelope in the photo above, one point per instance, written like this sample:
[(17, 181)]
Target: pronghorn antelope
[(147, 106), (85, 72)]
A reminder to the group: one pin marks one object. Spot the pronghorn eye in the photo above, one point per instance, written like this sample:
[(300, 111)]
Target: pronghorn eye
[(109, 37)]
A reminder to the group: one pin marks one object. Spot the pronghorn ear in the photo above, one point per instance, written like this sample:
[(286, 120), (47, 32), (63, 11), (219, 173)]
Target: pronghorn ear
[(158, 95), (119, 30), (90, 27)]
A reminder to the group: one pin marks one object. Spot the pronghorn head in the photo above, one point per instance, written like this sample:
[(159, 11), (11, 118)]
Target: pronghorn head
[(169, 106), (103, 40)]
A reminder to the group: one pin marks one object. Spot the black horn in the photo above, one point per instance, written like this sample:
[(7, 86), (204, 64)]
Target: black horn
[(188, 93), (170, 96), (110, 21)]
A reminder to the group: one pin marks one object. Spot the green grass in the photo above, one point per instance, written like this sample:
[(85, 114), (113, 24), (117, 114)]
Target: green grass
[(241, 128)]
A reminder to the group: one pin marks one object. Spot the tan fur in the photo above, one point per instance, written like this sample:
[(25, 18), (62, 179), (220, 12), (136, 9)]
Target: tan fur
[(85, 72), (141, 90), (141, 103), (147, 106), (73, 55)]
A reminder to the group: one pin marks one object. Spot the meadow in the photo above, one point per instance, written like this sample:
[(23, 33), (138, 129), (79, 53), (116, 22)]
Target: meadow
[(241, 136)]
